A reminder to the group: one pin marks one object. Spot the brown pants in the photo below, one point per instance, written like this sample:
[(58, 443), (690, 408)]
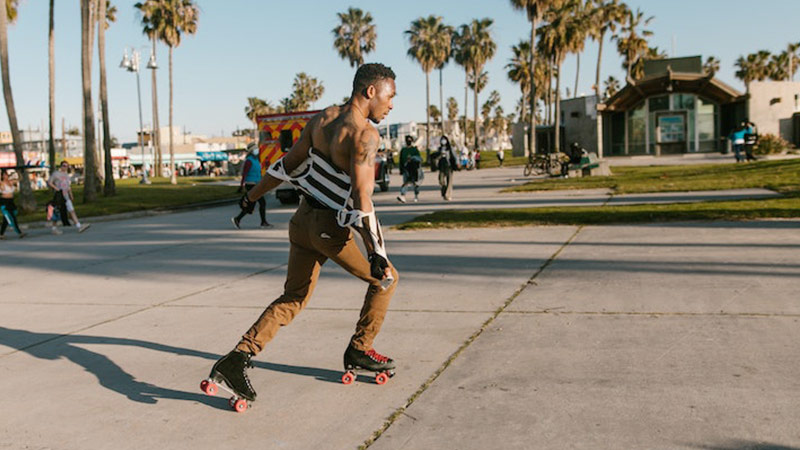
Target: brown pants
[(315, 237)]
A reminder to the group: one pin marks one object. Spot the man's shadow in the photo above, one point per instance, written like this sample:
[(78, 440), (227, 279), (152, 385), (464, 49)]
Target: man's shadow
[(52, 346)]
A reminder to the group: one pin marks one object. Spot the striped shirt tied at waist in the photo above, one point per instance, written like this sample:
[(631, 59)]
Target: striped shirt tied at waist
[(318, 178)]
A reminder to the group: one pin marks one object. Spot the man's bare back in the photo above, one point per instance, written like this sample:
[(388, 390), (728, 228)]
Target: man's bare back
[(344, 136)]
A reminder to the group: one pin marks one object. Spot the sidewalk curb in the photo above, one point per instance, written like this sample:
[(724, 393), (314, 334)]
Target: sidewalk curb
[(143, 213)]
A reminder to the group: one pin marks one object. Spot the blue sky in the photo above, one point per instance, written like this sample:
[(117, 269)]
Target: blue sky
[(255, 47)]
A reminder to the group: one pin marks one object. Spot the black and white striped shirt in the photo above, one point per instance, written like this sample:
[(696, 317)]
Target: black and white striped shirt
[(320, 179)]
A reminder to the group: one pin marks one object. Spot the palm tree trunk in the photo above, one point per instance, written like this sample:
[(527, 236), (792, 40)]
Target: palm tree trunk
[(532, 99), (466, 107), (577, 73), (441, 99), (172, 178), (51, 66), (427, 111), (155, 136), (27, 201), (89, 165), (599, 59), (476, 74), (557, 119), (109, 187)]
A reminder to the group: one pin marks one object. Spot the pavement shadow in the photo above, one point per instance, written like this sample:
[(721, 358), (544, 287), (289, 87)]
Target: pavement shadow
[(52, 346), (745, 445)]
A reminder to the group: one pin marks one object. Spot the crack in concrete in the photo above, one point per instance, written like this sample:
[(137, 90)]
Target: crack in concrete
[(402, 409)]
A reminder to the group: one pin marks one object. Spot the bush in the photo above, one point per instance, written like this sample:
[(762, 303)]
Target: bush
[(770, 144)]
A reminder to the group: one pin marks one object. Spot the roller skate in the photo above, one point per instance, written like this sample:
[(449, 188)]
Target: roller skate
[(356, 361), (230, 375)]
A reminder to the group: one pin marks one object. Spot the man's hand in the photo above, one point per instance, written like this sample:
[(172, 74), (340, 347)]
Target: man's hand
[(246, 205), (378, 266)]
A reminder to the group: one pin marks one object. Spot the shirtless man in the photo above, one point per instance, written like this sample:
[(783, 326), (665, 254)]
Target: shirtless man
[(332, 164)]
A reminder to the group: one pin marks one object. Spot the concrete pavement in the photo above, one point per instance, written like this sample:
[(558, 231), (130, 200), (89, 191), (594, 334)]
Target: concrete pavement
[(647, 336)]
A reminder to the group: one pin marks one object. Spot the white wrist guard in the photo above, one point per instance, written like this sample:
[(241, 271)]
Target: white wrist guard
[(367, 225)]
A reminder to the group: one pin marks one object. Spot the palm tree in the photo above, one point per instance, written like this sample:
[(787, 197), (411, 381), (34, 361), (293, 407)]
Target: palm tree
[(794, 58), (106, 13), (51, 66), (452, 111), (8, 13), (486, 111), (581, 24), (170, 19), (651, 53), (306, 91), (778, 67), (435, 113), (632, 43), (711, 66), (446, 51), (559, 36), (761, 60), (257, 107), (459, 42), (478, 47), (534, 10), (746, 72), (519, 70), (89, 162), (605, 17), (150, 20), (355, 36), (612, 87), (429, 44)]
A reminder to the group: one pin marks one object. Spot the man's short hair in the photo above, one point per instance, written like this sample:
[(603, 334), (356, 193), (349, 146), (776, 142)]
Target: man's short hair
[(371, 74)]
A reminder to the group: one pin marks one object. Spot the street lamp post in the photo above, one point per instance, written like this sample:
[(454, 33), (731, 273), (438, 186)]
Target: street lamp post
[(132, 65)]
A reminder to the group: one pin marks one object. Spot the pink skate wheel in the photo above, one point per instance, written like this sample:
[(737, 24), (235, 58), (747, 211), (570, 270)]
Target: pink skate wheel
[(381, 378), (348, 378), (240, 405), (208, 387)]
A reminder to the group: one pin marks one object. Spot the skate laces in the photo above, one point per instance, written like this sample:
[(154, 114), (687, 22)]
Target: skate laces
[(248, 364), (375, 356)]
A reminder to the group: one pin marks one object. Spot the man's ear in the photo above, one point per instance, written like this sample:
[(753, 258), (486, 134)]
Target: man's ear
[(371, 91)]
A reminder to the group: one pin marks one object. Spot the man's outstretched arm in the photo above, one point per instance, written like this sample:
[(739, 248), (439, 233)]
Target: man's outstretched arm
[(362, 175)]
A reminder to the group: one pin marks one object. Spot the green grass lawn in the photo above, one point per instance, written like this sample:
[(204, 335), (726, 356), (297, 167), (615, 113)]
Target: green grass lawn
[(132, 196), (780, 176)]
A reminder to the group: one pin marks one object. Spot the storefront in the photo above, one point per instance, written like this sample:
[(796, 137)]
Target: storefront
[(670, 112)]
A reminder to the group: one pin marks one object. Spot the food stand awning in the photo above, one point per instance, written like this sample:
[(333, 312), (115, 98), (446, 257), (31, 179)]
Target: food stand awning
[(212, 156)]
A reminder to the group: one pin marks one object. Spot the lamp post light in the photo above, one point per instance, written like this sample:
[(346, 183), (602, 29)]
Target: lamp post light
[(132, 65)]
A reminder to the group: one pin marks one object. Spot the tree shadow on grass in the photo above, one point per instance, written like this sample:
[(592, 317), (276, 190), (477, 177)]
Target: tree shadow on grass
[(52, 346)]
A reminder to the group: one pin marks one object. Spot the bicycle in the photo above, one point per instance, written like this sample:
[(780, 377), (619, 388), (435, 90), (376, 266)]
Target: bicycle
[(549, 164)]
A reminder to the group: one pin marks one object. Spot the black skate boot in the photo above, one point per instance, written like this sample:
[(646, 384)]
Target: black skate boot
[(232, 370), (370, 361)]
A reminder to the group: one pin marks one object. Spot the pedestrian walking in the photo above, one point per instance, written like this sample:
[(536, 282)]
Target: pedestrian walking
[(737, 141), (8, 187), (501, 156), (251, 176), (410, 169), (333, 166), (62, 198), (447, 163), (750, 140)]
